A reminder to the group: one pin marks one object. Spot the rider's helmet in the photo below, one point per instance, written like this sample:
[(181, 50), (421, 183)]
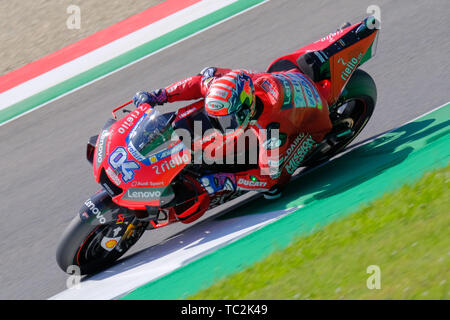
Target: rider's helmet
[(230, 101)]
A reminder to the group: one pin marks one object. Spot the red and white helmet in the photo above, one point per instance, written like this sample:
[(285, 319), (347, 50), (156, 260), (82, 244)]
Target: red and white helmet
[(230, 101)]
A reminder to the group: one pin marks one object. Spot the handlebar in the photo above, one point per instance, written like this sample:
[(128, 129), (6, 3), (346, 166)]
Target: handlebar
[(120, 107)]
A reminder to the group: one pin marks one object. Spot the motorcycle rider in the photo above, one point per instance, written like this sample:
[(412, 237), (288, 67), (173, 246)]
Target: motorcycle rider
[(240, 100)]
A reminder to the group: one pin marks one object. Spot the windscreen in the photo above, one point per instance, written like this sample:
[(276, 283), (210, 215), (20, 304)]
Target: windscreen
[(152, 133)]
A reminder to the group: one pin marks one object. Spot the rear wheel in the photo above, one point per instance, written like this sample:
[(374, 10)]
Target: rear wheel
[(94, 247), (349, 116)]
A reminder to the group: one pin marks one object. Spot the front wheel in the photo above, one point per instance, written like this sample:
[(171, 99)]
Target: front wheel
[(95, 247)]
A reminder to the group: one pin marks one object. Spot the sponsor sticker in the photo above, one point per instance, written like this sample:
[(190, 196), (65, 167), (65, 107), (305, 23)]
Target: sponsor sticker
[(175, 161), (151, 159), (118, 160), (219, 182), (146, 183), (298, 154), (113, 176), (186, 113), (215, 105), (175, 86), (272, 143), (293, 92), (304, 93), (95, 211), (331, 37), (128, 121), (350, 66), (101, 147), (268, 87), (251, 183), (167, 153), (109, 243), (143, 194)]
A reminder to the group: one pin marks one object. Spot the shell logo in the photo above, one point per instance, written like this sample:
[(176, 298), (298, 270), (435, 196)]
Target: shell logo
[(111, 244)]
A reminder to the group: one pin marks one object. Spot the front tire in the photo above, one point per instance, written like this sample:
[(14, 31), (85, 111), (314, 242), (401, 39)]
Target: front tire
[(81, 245)]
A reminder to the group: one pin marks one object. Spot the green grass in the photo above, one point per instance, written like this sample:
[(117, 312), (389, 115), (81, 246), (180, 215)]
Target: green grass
[(406, 233)]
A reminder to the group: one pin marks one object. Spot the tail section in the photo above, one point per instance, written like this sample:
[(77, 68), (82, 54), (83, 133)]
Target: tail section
[(336, 56)]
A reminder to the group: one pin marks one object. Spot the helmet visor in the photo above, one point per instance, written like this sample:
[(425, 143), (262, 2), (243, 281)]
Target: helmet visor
[(230, 122)]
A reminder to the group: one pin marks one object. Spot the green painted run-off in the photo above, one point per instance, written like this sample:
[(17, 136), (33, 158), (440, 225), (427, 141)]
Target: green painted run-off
[(328, 193)]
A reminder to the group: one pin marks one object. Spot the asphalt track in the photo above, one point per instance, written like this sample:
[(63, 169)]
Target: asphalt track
[(45, 177)]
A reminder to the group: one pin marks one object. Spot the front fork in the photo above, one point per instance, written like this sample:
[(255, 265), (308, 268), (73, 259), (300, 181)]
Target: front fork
[(164, 218), (130, 229), (99, 209), (129, 232)]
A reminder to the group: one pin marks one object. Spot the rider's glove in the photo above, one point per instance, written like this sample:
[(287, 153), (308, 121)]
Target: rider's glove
[(152, 98)]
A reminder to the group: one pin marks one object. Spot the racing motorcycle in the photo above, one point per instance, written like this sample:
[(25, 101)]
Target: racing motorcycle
[(148, 179)]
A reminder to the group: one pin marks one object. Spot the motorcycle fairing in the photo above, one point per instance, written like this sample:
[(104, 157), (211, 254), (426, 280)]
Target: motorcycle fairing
[(339, 54), (134, 181)]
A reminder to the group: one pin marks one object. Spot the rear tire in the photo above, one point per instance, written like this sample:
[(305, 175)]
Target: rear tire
[(362, 89), (359, 98)]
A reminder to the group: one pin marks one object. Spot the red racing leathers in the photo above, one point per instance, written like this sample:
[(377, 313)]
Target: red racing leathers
[(288, 101)]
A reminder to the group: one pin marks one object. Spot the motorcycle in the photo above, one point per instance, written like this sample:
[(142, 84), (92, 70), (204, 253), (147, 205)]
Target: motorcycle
[(149, 181)]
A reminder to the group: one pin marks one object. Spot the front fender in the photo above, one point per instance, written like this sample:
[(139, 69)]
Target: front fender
[(99, 209)]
